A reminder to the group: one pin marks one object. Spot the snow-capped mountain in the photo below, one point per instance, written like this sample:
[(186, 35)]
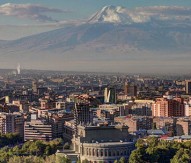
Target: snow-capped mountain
[(119, 14), (112, 14), (114, 39)]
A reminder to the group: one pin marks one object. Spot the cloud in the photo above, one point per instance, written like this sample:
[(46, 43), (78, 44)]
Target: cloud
[(142, 14), (175, 13), (31, 11)]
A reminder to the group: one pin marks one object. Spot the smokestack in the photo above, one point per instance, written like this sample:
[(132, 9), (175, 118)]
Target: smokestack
[(18, 69)]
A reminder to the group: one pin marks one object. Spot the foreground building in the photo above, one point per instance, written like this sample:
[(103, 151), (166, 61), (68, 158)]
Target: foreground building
[(102, 143)]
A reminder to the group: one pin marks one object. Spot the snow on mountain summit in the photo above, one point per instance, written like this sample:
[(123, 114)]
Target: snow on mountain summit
[(122, 15), (112, 14)]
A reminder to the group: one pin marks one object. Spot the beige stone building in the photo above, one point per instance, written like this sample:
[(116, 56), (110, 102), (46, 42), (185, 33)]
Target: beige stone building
[(102, 143)]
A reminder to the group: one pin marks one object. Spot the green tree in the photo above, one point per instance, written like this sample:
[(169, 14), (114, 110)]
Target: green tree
[(50, 159), (116, 161), (140, 143), (85, 161), (47, 150), (137, 156), (26, 159), (78, 161), (122, 160), (182, 156), (62, 159)]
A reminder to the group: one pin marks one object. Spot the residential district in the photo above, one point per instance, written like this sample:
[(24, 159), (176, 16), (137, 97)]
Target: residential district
[(93, 117)]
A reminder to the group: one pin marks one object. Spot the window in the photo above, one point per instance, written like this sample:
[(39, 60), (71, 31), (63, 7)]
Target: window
[(101, 152)]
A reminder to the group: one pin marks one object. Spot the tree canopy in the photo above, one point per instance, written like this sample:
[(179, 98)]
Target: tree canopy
[(153, 150)]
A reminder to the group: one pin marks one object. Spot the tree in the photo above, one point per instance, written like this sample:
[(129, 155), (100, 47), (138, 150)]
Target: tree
[(116, 161), (137, 156), (122, 160), (78, 161), (182, 156), (140, 143), (85, 161), (50, 159), (62, 159), (47, 150), (26, 159), (16, 150)]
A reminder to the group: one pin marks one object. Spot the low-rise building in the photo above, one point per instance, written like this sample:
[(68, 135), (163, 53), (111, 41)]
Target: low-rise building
[(112, 110), (136, 123), (37, 129)]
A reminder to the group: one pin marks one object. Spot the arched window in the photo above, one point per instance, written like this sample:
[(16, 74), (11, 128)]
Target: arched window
[(122, 150), (93, 152), (106, 152), (109, 153), (87, 151), (113, 153), (97, 153), (90, 152), (101, 152)]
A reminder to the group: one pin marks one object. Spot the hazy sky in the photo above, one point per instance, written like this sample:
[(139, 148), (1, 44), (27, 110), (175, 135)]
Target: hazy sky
[(20, 12)]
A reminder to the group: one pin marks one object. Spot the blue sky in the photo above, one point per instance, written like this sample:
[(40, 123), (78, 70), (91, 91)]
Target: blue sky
[(79, 9)]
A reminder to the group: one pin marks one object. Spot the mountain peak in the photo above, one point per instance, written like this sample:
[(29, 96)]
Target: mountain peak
[(111, 14)]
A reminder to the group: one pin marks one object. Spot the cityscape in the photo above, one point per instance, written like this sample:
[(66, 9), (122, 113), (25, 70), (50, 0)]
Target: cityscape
[(94, 117), (95, 81)]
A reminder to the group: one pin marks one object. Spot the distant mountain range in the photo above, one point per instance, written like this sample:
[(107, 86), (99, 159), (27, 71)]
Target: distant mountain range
[(113, 39)]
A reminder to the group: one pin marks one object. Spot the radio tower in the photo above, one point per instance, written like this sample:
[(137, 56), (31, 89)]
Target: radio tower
[(18, 69)]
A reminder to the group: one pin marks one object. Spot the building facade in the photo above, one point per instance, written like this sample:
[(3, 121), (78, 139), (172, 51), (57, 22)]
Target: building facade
[(130, 90), (110, 95), (12, 123), (167, 107), (102, 143), (188, 87), (37, 130)]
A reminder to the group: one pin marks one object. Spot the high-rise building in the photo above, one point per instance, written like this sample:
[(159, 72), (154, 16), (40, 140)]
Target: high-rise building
[(110, 95), (82, 115), (7, 123), (126, 88), (34, 86), (12, 123), (57, 122), (187, 110), (188, 87), (130, 89), (19, 124), (165, 107)]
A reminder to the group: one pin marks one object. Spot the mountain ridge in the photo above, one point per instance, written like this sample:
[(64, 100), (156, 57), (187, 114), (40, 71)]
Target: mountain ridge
[(98, 45)]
